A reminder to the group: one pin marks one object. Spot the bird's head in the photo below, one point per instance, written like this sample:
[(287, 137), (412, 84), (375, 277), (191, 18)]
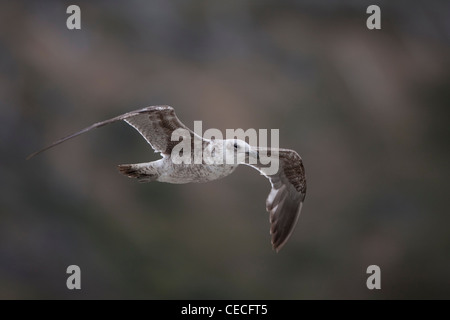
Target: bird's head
[(241, 150)]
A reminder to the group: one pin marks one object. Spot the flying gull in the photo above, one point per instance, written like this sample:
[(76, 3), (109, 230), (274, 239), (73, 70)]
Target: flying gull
[(157, 124)]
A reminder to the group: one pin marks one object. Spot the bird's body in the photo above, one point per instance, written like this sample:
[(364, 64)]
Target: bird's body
[(164, 170), (157, 124)]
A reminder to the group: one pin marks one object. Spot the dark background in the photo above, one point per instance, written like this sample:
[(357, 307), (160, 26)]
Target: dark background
[(367, 110)]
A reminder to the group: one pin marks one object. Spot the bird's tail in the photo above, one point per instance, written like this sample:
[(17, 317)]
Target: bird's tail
[(144, 172)]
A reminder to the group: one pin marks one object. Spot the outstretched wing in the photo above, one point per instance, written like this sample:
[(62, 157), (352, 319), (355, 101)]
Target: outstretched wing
[(286, 197), (155, 124)]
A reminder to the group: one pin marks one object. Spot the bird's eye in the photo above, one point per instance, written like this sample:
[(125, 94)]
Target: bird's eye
[(235, 145)]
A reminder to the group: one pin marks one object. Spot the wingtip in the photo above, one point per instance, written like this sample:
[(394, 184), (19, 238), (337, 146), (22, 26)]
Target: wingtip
[(34, 154), (277, 247), (31, 156)]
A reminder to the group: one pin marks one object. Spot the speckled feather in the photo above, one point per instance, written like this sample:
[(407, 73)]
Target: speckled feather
[(157, 123)]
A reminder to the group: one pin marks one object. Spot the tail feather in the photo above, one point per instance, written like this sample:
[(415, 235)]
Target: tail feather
[(144, 172)]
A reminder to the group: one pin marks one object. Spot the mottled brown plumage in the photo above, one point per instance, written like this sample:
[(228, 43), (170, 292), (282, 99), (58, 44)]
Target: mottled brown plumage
[(157, 123)]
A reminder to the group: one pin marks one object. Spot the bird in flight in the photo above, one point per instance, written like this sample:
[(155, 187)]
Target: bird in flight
[(157, 125)]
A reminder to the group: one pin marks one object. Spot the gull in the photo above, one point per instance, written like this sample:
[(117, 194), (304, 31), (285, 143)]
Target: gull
[(157, 124)]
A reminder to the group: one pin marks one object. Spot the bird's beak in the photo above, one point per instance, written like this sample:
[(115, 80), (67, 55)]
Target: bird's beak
[(252, 154)]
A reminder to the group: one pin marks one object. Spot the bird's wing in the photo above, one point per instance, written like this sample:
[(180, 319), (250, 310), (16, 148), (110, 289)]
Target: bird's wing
[(286, 197), (155, 124)]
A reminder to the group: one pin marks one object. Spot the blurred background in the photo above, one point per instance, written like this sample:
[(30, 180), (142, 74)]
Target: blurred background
[(367, 110)]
